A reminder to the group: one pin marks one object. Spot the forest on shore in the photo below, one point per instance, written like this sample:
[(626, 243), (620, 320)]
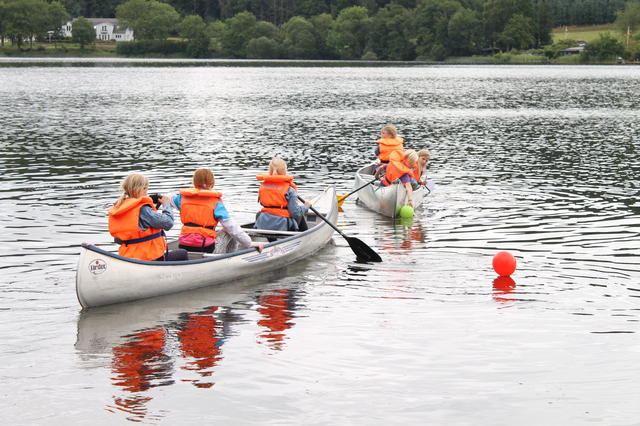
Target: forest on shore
[(399, 30)]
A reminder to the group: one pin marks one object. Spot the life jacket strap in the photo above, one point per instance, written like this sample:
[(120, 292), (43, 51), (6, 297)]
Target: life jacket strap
[(197, 225), (140, 240), (275, 207)]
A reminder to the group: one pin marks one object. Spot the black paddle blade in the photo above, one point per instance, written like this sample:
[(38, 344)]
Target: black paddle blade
[(363, 251)]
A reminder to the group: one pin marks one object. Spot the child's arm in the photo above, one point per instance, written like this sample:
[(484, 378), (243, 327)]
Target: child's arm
[(152, 219), (232, 228), (296, 210), (409, 188)]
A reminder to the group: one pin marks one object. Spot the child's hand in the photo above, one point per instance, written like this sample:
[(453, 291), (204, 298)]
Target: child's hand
[(164, 199), (258, 246), (308, 204)]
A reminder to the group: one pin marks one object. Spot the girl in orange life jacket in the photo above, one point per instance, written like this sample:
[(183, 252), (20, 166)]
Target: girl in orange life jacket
[(200, 211), (400, 167), (137, 226), (420, 168), (389, 142), (278, 196)]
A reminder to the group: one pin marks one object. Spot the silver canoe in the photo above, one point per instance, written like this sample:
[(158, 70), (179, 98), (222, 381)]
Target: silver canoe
[(103, 277), (389, 199)]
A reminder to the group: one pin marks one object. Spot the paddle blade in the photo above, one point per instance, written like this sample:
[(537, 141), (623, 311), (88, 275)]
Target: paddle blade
[(363, 251), (341, 199)]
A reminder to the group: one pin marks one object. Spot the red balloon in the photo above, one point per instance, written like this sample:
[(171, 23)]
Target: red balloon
[(504, 263)]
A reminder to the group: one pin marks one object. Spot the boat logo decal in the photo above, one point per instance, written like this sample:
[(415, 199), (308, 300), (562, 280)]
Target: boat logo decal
[(97, 266), (272, 252)]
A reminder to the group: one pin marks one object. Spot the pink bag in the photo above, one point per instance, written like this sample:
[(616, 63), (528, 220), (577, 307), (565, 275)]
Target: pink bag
[(195, 240)]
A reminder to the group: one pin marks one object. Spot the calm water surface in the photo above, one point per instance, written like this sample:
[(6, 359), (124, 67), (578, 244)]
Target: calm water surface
[(540, 161)]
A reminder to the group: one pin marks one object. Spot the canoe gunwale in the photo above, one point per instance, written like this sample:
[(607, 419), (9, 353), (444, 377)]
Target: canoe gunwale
[(96, 249)]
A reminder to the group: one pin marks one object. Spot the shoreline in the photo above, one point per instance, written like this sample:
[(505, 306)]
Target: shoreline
[(89, 61)]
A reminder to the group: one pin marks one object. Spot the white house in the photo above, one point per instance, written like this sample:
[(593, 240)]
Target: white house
[(106, 29)]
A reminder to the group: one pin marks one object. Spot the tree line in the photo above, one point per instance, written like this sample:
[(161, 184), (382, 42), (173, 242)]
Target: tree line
[(299, 29), (565, 12), (402, 30)]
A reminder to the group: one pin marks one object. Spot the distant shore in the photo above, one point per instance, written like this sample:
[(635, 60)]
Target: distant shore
[(107, 51)]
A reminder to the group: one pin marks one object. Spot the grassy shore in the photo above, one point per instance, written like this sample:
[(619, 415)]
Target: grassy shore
[(585, 33), (60, 50)]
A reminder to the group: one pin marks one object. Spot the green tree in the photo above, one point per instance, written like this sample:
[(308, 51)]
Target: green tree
[(299, 39), (57, 16), (517, 34), (3, 22), (215, 30), (26, 19), (263, 48), (604, 48), (542, 23), (83, 32), (432, 21), (628, 20), (498, 13), (266, 29), (149, 19), (309, 8), (391, 31), (464, 30), (194, 30), (350, 33), (322, 25), (237, 33)]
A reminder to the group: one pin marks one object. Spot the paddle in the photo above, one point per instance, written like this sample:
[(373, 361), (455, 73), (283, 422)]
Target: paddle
[(361, 250), (341, 198)]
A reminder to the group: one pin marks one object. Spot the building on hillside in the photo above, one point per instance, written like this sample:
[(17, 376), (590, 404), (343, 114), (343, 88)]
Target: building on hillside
[(106, 29), (571, 51)]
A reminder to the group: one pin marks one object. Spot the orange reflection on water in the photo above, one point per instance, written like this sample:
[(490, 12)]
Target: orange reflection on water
[(403, 236), (139, 365), (199, 341), (276, 311)]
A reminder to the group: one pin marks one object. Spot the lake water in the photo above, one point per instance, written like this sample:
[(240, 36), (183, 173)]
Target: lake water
[(540, 161)]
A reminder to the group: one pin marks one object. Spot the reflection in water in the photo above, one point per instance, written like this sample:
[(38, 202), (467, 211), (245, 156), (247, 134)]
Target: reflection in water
[(138, 365), (502, 286), (148, 339), (402, 236), (199, 340), (356, 272), (277, 314), (145, 361)]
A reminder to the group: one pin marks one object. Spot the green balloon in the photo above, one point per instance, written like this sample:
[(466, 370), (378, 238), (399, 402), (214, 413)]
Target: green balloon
[(406, 211)]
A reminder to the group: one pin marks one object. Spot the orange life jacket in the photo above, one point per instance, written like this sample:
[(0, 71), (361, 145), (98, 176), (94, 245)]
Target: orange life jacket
[(389, 145), (272, 194), (196, 211), (395, 169), (417, 174), (123, 225)]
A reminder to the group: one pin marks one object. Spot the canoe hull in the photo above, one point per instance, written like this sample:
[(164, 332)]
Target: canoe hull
[(385, 200), (104, 278)]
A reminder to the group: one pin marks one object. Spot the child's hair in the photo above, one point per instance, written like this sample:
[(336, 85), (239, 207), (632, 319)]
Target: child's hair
[(203, 178), (412, 156), (277, 164), (132, 186), (424, 153), (391, 130)]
